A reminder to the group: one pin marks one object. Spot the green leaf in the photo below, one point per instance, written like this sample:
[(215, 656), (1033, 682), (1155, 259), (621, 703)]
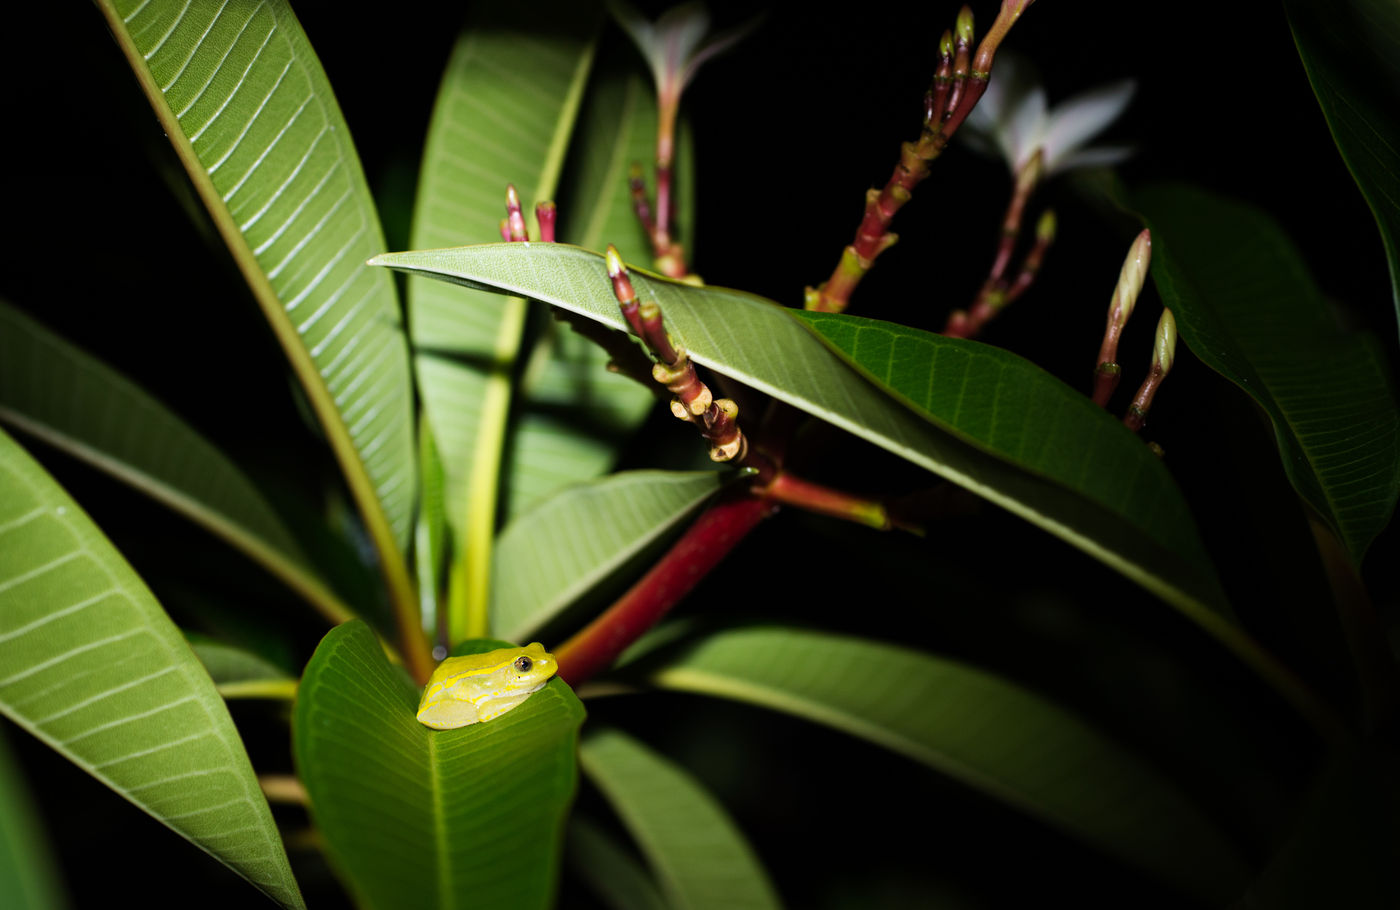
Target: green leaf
[(549, 557), (503, 115), (28, 876), (760, 344), (1013, 409), (701, 859), (69, 399), (227, 664), (416, 817), (242, 674), (611, 871), (976, 727), (430, 541), (91, 665), (1247, 307), (247, 106), (1348, 50)]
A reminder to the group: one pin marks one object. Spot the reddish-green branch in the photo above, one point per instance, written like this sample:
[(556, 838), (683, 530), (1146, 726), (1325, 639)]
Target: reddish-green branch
[(718, 530), (955, 92)]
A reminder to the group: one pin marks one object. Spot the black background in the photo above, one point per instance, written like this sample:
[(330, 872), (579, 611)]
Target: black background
[(791, 128)]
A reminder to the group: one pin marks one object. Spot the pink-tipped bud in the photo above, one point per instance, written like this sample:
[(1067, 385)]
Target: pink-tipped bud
[(514, 215), (547, 215), (622, 289), (622, 284)]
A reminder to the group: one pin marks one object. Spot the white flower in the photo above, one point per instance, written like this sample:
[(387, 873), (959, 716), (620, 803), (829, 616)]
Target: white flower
[(675, 44), (1012, 118)]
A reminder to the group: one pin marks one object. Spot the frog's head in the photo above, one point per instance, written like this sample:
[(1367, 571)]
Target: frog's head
[(531, 668), (476, 687)]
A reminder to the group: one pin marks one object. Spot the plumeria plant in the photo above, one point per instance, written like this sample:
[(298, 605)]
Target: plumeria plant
[(567, 574)]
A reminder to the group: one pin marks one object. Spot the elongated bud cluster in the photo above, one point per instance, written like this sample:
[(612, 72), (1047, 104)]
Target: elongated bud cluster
[(692, 401), (1163, 353), (958, 83), (1125, 295)]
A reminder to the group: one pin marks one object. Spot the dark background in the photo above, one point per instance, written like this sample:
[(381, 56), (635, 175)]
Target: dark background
[(792, 127)]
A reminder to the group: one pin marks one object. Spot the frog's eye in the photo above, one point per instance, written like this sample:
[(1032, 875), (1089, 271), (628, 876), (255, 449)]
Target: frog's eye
[(523, 664)]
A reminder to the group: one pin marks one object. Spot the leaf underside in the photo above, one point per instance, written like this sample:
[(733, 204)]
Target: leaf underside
[(1247, 307), (250, 112), (762, 345), (985, 731), (91, 665), (700, 858)]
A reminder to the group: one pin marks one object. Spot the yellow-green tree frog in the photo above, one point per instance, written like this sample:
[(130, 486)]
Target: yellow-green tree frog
[(477, 687)]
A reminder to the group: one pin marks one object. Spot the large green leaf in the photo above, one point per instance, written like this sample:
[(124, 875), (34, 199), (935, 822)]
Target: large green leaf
[(62, 395), (1349, 52), (503, 115), (1009, 406), (91, 665), (416, 817), (760, 344), (701, 859), (28, 877), (1248, 308), (973, 725), (554, 553), (610, 870), (247, 106)]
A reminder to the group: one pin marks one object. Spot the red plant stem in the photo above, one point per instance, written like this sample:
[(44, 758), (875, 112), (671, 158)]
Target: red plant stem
[(786, 488), (1106, 376), (1142, 402), (717, 531), (636, 182)]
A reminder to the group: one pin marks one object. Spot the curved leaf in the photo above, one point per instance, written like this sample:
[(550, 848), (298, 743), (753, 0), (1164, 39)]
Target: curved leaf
[(248, 108), (1248, 309), (503, 115), (1012, 408), (1348, 50), (69, 399), (701, 859), (760, 344), (972, 725), (91, 665), (28, 875), (611, 871), (551, 555), (432, 818)]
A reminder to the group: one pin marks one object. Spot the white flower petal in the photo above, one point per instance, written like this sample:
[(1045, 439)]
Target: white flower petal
[(1025, 130), (1081, 118), (1098, 156)]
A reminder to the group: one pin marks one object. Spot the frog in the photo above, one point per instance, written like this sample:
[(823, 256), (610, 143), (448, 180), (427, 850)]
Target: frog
[(478, 687)]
